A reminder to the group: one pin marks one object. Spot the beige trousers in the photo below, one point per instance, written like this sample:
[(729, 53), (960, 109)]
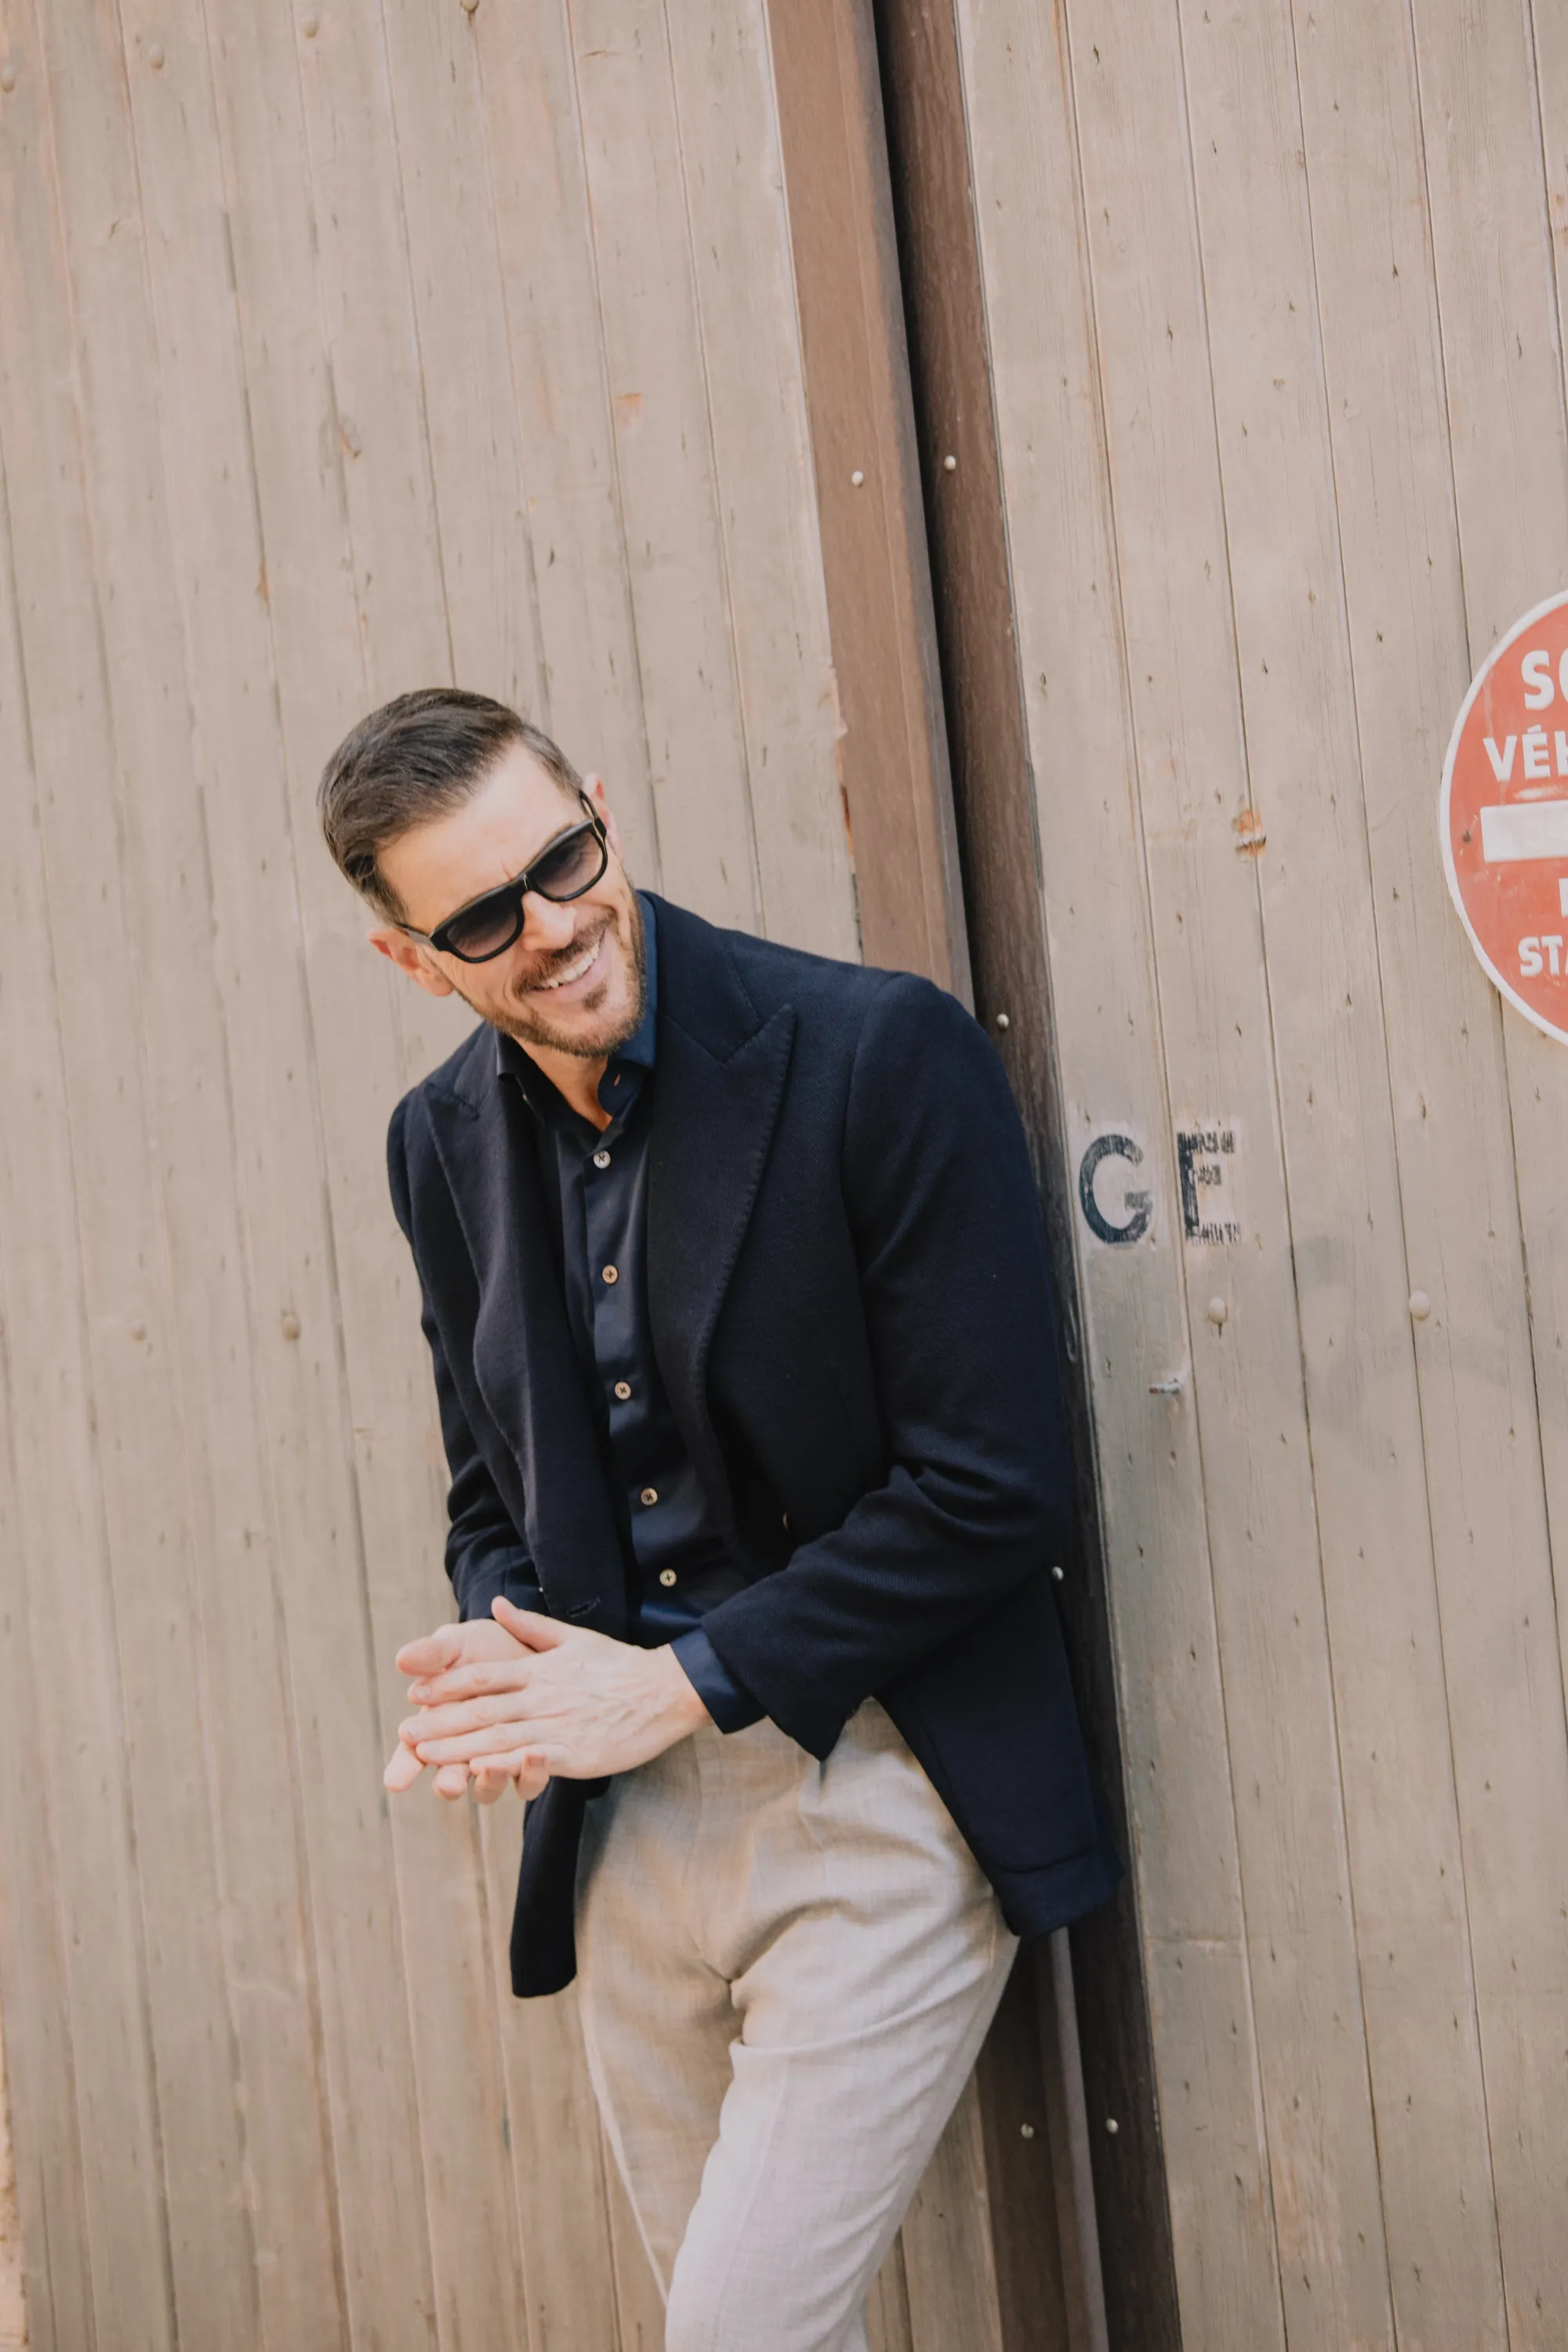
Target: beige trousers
[(787, 1970)]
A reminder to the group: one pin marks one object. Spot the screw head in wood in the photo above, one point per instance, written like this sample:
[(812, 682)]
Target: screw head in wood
[(1026, 2131), (1002, 1021), (1058, 1575), (950, 465), (155, 55), (1218, 1312), (855, 478), (1112, 2124), (7, 73), (1420, 1306)]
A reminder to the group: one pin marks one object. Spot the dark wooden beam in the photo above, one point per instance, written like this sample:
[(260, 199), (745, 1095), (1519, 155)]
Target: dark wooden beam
[(894, 747), (999, 846)]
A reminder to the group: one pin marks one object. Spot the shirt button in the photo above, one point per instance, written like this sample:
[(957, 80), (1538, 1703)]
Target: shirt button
[(601, 1159), (612, 1274), (623, 1390), (666, 1576), (649, 1494)]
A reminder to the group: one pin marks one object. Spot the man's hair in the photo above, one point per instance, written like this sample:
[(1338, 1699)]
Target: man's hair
[(415, 759)]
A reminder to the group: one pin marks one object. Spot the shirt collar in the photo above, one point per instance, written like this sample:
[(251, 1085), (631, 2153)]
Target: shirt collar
[(635, 1056)]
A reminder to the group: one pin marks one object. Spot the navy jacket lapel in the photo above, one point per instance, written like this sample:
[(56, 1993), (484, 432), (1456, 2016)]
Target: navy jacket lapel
[(524, 1363), (721, 1078)]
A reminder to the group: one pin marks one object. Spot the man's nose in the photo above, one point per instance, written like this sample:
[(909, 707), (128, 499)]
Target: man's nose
[(546, 924)]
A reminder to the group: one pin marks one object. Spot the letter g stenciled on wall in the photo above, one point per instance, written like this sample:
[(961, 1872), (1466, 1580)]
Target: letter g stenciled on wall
[(1138, 1205)]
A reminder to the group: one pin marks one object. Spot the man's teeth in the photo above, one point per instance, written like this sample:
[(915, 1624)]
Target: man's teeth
[(573, 971)]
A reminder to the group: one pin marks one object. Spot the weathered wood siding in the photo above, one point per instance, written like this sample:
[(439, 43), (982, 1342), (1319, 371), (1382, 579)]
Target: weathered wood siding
[(343, 348), (1272, 303)]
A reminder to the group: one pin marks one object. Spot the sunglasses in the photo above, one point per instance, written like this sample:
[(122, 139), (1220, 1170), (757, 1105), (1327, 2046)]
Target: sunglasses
[(487, 926)]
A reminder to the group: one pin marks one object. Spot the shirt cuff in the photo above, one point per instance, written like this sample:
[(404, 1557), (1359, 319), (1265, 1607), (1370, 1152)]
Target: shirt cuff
[(728, 1702)]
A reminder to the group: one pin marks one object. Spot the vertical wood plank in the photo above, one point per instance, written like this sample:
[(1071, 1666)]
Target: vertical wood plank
[(1370, 170), (465, 372), (113, 1089), (39, 1970), (1210, 956), (887, 2310), (946, 2242), (894, 754), (13, 2303), (222, 784), (1023, 2208), (664, 456), (748, 338), (459, 2098), (933, 199), (1131, 1326), (315, 638), (1482, 116), (549, 292), (638, 2303), (1080, 2229), (1328, 1016), (461, 2118)]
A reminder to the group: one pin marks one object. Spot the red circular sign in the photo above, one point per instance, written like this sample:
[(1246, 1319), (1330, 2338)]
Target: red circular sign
[(1504, 815)]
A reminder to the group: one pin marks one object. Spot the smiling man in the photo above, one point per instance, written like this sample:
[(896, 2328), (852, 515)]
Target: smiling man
[(736, 1288)]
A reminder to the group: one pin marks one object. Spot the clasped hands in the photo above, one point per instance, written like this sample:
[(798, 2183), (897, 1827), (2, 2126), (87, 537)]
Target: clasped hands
[(516, 1697)]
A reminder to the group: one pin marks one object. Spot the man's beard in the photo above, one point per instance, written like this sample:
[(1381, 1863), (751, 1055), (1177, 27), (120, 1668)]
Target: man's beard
[(589, 1041)]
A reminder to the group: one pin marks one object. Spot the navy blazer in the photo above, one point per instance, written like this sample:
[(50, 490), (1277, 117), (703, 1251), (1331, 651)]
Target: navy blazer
[(851, 1308)]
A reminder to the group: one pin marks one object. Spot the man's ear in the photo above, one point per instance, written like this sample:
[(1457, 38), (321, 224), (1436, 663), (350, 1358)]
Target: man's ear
[(410, 956), (595, 788)]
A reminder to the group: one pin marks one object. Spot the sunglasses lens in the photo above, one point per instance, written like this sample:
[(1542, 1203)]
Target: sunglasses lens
[(571, 866), (485, 929)]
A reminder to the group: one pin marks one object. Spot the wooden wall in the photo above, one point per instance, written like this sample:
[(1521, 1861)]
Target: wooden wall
[(1272, 295), (345, 348)]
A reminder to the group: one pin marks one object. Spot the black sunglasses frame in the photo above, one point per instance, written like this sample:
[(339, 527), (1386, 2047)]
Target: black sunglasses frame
[(511, 894)]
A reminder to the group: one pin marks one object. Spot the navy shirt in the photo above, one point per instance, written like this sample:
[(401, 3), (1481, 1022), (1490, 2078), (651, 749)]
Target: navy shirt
[(677, 1563)]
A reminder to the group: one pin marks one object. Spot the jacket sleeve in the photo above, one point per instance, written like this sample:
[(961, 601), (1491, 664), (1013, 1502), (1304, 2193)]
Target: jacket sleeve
[(957, 1298), (484, 1553)]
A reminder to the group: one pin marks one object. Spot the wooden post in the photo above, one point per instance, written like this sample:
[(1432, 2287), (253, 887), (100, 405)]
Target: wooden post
[(896, 784), (994, 793)]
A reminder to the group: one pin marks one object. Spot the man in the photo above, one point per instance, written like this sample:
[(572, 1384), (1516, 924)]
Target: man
[(736, 1288)]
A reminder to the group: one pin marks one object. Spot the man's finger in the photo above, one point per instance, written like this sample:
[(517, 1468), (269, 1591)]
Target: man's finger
[(467, 1715), (403, 1768), (469, 1682), (489, 1785), (490, 1739), (432, 1653), (452, 1781), (527, 1626), (527, 1768)]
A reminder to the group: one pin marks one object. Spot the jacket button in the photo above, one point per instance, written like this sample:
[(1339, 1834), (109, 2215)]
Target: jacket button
[(623, 1390), (650, 1494), (612, 1274), (666, 1576), (601, 1159)]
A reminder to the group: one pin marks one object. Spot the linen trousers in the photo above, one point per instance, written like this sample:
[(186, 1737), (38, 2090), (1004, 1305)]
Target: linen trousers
[(785, 1971)]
